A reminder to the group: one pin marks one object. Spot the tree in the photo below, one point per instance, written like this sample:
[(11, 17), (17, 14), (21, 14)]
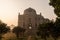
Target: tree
[(3, 29), (43, 31), (18, 30), (56, 28), (48, 29), (56, 5)]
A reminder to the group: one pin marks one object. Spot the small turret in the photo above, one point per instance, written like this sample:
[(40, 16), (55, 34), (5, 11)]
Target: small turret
[(19, 13), (40, 14)]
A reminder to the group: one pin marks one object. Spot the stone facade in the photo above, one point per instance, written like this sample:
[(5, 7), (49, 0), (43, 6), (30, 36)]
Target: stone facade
[(30, 20)]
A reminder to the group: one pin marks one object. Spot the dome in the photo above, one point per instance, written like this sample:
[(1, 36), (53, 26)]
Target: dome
[(29, 11)]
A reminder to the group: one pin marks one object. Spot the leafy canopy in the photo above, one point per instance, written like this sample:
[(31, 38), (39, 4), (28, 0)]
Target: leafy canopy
[(56, 5)]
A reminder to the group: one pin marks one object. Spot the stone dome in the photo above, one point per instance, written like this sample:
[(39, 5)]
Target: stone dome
[(29, 11)]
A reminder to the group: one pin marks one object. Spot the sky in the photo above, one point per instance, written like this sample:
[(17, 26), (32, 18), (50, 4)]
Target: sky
[(9, 9)]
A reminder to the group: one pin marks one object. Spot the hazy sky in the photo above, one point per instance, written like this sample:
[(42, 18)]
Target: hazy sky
[(9, 9)]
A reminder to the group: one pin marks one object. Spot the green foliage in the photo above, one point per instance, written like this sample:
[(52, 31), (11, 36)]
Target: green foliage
[(17, 30), (3, 29), (56, 5), (52, 28), (55, 30), (57, 27), (43, 30)]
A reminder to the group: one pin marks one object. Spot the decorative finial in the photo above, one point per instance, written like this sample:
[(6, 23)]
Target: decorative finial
[(19, 13), (40, 13)]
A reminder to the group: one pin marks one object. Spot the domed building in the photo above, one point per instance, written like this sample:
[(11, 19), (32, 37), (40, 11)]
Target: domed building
[(30, 20)]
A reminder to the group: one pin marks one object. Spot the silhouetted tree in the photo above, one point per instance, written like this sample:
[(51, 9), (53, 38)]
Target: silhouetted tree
[(52, 30), (56, 5), (56, 29), (18, 30), (3, 29), (43, 30)]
